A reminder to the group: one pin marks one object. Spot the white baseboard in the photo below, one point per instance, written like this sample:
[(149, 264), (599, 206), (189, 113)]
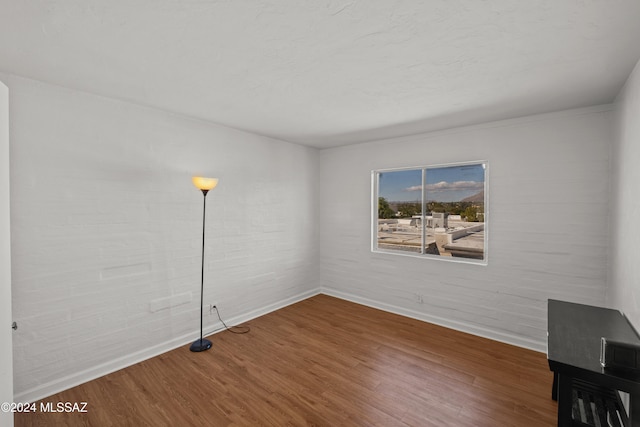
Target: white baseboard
[(78, 378), (447, 323)]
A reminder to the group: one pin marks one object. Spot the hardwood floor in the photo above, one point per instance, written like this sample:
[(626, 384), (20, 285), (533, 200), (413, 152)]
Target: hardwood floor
[(323, 362)]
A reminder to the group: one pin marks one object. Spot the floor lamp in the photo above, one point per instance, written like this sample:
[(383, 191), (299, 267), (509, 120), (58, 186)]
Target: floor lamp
[(204, 184)]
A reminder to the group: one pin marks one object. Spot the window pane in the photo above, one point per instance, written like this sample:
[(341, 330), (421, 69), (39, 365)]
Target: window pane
[(399, 224), (455, 211), (432, 211)]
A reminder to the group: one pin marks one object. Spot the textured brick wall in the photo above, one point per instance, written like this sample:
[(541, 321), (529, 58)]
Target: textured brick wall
[(548, 225), (624, 286), (106, 231)]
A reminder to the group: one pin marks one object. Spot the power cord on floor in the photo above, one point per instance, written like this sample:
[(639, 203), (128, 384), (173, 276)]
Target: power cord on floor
[(233, 329)]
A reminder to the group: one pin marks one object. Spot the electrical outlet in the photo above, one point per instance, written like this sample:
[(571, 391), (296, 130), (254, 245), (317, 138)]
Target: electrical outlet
[(212, 308)]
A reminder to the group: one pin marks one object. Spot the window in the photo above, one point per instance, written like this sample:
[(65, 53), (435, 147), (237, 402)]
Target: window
[(432, 211)]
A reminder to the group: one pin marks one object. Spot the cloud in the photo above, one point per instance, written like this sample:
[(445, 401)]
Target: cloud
[(449, 186)]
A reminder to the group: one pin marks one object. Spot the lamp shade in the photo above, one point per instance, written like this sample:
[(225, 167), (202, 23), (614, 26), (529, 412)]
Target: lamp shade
[(203, 183)]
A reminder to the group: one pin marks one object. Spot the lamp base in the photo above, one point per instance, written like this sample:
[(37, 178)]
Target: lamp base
[(200, 345)]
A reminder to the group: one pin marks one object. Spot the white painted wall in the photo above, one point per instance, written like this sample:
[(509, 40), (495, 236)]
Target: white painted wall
[(624, 279), (6, 356), (105, 221), (548, 211)]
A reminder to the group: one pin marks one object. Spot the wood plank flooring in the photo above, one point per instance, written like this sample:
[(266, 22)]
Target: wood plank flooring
[(323, 362)]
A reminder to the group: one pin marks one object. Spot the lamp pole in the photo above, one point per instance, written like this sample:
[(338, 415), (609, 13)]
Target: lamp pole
[(204, 184)]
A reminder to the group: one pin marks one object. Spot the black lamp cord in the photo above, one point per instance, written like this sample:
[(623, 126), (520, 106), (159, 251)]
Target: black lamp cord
[(233, 329)]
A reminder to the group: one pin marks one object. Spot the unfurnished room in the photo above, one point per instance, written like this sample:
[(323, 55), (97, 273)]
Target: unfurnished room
[(320, 213)]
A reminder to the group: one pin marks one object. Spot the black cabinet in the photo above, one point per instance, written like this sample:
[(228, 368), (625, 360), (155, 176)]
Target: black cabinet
[(584, 389)]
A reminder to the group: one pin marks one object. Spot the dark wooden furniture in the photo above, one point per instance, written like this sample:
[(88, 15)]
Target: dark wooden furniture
[(583, 388)]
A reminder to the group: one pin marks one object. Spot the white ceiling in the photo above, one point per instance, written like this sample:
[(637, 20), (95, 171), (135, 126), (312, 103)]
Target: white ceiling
[(330, 72)]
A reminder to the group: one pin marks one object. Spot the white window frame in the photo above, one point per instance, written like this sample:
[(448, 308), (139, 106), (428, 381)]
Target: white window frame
[(423, 220)]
